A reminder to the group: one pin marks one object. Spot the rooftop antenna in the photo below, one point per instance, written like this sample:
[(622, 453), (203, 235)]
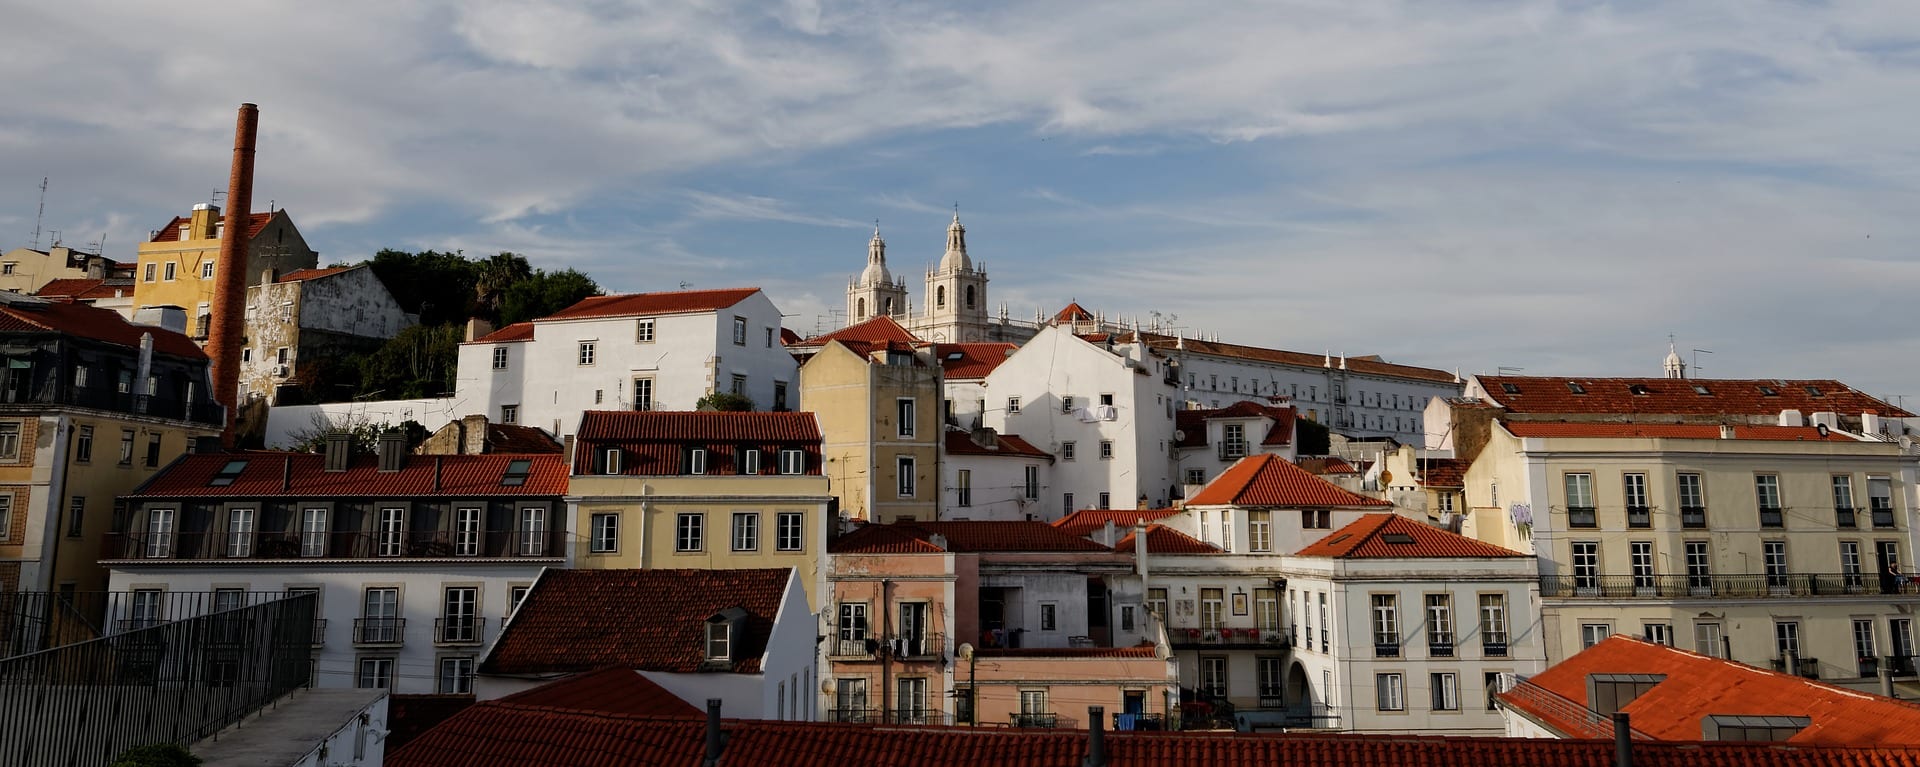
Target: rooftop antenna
[(42, 213), (214, 198), (685, 284), (1696, 360), (1504, 369), (54, 240)]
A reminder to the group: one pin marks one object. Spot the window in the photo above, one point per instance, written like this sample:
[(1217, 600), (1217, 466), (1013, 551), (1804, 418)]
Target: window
[(1593, 633), (459, 607), (1446, 692), (605, 535), (738, 385), (392, 532), (1658, 633), (1440, 625), (456, 675), (1316, 519), (1066, 403), (1106, 502), (793, 462), (643, 330), (82, 442), (516, 595), (779, 396), (159, 528), (1106, 450), (1863, 649), (688, 528), (1066, 502), (1386, 626), (375, 673), (1213, 675), (1766, 490), (1773, 558), (149, 273), (610, 460), (281, 355), (466, 532), (76, 516), (126, 447), (1850, 565), (1260, 530), (1586, 565), (1157, 602), (509, 414), (1900, 637), (697, 460), (1049, 616), (905, 468), (153, 450), (1068, 449), (790, 530), (1699, 567), (903, 417), (313, 532), (643, 394), (1843, 500), (719, 640), (1032, 483), (963, 488), (173, 269), (1126, 618), (499, 358), (1640, 555), (739, 331), (1580, 511), (1013, 406), (1492, 679), (1444, 502), (1212, 609), (746, 531), (1786, 639), (750, 460), (1033, 702), (1880, 498), (1266, 610), (1634, 487), (380, 616), (1233, 443), (1389, 692), (1707, 641), (1493, 625), (586, 353), (240, 533), (1196, 476)]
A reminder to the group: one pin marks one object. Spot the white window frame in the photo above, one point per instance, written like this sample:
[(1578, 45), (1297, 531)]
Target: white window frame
[(313, 531), (643, 330), (689, 532), (604, 528), (587, 353), (746, 531), (1446, 691), (499, 358), (906, 469), (240, 528), (642, 394), (793, 462), (1390, 691)]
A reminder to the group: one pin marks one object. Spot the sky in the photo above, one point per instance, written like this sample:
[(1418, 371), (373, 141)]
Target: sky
[(1458, 184)]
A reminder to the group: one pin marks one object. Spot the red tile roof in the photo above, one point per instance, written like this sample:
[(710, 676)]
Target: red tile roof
[(1166, 540), (1697, 686), (865, 336), (1443, 472), (961, 443), (1369, 365), (519, 331), (971, 360), (459, 475), (1368, 538), (652, 304), (788, 337), (1073, 312), (313, 274), (1676, 396), (648, 620), (1269, 480), (500, 734), (1086, 522), (966, 537), (688, 425), (512, 438), (408, 716), (1327, 465), (68, 287), (883, 539), (611, 690), (84, 321), (255, 223), (1667, 431), (1193, 423)]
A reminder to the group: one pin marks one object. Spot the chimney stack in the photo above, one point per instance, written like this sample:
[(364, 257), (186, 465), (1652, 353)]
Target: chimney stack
[(393, 450), (1622, 740), (714, 742), (229, 330), (339, 450), (1096, 737)]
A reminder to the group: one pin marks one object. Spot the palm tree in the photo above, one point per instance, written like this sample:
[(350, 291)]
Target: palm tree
[(492, 279)]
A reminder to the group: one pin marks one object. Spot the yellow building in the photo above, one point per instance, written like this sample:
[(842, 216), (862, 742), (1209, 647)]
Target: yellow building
[(176, 263), (701, 490), (878, 394), (79, 426), (25, 270)]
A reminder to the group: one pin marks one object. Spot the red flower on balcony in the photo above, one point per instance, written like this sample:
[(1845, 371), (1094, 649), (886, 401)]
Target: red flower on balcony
[(1193, 633)]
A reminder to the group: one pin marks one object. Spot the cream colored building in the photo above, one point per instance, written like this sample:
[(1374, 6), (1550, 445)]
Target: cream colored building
[(177, 262), (879, 399), (1772, 545), (26, 270), (701, 490)]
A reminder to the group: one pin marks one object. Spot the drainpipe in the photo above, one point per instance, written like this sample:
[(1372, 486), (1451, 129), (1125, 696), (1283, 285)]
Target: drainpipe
[(1096, 737), (1622, 740), (714, 741), (1886, 678), (886, 651)]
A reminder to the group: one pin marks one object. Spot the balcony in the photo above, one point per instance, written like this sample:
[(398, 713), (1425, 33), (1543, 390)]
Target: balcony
[(379, 632), (1902, 665), (1440, 649), (915, 715), (290, 547), (927, 646), (1869, 666), (1492, 649), (1721, 586), (1386, 649), (319, 632), (1139, 722), (854, 715), (1843, 517), (1233, 451), (1639, 516), (111, 399), (1582, 516), (1693, 517), (459, 631), (1034, 720), (1226, 637), (1806, 667), (1772, 517)]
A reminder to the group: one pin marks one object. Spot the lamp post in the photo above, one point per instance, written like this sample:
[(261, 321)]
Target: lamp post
[(973, 692)]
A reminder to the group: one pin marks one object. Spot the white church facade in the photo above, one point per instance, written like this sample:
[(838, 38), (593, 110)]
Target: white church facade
[(955, 310)]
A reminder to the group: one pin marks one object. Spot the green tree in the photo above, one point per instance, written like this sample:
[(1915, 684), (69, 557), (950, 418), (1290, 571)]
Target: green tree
[(419, 362), (435, 285), (545, 293), (160, 755), (493, 278), (725, 401)]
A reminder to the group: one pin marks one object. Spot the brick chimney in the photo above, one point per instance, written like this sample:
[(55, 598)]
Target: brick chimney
[(229, 330)]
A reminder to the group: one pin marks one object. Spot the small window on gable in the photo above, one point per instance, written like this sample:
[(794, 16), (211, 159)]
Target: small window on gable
[(1814, 391), (228, 474), (1509, 388), (1701, 390), (516, 474), (1639, 390), (1576, 388)]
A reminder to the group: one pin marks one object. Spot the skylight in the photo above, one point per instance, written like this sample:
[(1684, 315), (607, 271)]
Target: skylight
[(1768, 391), (952, 356), (1814, 391), (1576, 388), (517, 473), (1638, 389), (1340, 537), (1701, 390), (1400, 538), (1509, 388), (228, 474)]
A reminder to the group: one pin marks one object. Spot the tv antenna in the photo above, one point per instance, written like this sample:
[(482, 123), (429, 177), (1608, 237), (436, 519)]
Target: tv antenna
[(685, 284), (213, 198), (40, 214), (1696, 360)]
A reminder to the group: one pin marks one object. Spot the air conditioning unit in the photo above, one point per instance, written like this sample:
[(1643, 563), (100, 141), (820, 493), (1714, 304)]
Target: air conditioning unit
[(281, 371)]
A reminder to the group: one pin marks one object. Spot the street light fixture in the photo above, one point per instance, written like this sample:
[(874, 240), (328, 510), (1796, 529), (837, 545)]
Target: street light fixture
[(965, 652)]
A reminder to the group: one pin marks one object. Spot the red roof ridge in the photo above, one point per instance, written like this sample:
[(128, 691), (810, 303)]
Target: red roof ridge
[(1086, 521), (1269, 480), (314, 274), (1365, 538), (519, 331), (861, 335), (1166, 540), (658, 303)]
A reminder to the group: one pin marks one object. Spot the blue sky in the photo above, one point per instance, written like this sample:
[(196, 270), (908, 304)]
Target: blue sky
[(1555, 186)]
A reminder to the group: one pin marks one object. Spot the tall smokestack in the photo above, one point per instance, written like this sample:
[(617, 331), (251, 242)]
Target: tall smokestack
[(227, 336)]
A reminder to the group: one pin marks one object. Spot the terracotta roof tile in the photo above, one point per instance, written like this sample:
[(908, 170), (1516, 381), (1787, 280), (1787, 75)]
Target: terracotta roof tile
[(1678, 396), (612, 690), (864, 336), (513, 438), (1443, 472), (649, 620), (961, 443), (1269, 480), (460, 475), (1391, 536), (1369, 365), (1698, 686), (1073, 312), (967, 537), (1193, 423), (519, 331), (678, 426), (298, 275), (883, 539), (1667, 431), (255, 223), (1086, 522), (1324, 465), (650, 304), (408, 716), (1145, 650), (1166, 540), (68, 287), (84, 321), (788, 337), (971, 360)]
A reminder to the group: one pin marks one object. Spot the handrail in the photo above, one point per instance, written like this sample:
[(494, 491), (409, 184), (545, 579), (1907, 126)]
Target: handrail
[(1744, 586)]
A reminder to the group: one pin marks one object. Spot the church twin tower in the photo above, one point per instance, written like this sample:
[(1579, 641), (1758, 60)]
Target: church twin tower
[(956, 303)]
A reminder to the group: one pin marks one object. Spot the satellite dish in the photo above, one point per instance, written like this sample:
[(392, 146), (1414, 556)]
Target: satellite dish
[(1179, 435)]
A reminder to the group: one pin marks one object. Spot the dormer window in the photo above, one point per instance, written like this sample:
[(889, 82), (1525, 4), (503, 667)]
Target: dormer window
[(516, 474), (696, 460), (610, 460), (749, 460), (228, 474), (1639, 390), (1509, 388), (793, 462), (722, 630)]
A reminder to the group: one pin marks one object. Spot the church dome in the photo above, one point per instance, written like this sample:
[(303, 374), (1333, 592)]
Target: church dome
[(876, 272), (956, 259)]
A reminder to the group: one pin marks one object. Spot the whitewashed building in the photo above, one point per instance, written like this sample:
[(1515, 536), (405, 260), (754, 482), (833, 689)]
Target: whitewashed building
[(312, 314), (989, 476), (641, 351)]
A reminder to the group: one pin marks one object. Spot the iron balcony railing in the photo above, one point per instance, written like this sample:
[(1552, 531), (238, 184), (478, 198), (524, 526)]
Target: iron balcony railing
[(1583, 516), (110, 398), (1843, 517), (379, 631), (1385, 649), (408, 544), (1721, 586), (1902, 665), (459, 631), (1515, 690), (1040, 720), (916, 715), (853, 715), (1807, 667), (319, 632), (1771, 516), (1227, 636), (1882, 516), (1869, 666), (1693, 517), (1440, 649), (1639, 516), (912, 647), (1493, 649), (1232, 451)]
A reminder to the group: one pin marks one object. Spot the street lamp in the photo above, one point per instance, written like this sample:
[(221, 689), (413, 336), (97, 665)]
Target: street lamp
[(973, 695)]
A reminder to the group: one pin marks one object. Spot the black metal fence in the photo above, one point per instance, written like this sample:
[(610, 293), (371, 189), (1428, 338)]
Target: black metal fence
[(1668, 586), (31, 621), (173, 681)]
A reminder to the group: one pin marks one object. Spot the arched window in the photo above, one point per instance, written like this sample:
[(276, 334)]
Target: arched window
[(969, 296), (940, 297), (860, 309), (888, 305)]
